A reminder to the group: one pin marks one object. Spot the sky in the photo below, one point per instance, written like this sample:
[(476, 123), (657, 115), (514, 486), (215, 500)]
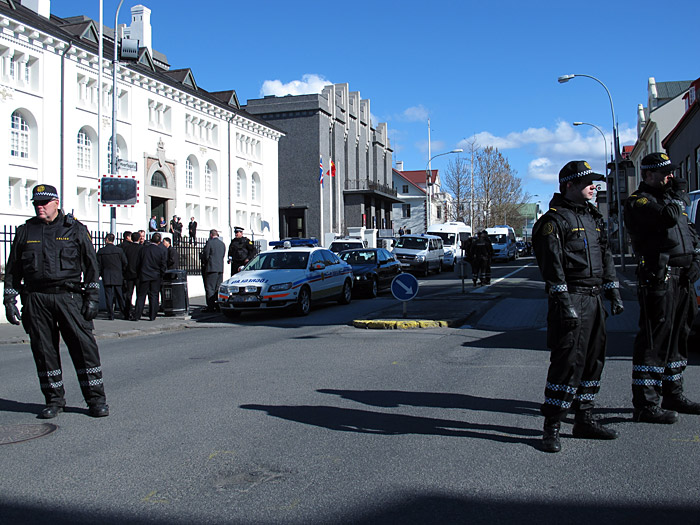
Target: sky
[(484, 71)]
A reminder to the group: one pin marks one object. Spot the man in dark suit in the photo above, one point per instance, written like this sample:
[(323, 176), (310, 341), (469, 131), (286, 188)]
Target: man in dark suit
[(152, 263), (131, 250), (112, 263), (173, 255), (213, 268)]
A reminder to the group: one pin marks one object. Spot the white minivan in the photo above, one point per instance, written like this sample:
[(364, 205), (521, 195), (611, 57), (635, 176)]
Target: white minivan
[(503, 242), (452, 234), (419, 253)]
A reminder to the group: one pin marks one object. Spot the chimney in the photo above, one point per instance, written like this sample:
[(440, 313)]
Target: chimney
[(399, 165), (140, 28), (40, 7)]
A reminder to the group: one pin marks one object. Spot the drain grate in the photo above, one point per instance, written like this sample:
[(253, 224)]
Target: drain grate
[(17, 433)]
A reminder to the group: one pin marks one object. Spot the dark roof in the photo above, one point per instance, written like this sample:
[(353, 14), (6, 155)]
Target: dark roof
[(69, 30), (672, 89)]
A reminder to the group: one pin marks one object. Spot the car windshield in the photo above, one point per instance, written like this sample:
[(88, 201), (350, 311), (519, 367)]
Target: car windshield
[(497, 238), (340, 246), (447, 238), (279, 260), (359, 257), (412, 243)]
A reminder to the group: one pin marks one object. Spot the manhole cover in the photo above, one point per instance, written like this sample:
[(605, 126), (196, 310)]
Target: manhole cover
[(18, 433)]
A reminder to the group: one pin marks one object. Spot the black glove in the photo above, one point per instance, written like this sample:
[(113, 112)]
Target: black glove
[(567, 314), (90, 309), (678, 189), (616, 306), (11, 311), (694, 272)]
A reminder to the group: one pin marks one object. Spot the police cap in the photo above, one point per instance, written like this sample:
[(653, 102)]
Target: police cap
[(579, 171), (237, 229), (658, 162), (44, 192)]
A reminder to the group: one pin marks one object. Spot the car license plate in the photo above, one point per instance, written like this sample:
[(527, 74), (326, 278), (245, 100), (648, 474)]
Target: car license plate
[(244, 299)]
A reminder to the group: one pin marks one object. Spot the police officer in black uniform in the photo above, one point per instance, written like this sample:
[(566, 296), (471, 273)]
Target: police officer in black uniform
[(481, 254), (240, 251), (50, 253), (572, 253), (668, 251)]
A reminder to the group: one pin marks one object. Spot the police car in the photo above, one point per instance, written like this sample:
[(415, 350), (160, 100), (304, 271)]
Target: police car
[(292, 275)]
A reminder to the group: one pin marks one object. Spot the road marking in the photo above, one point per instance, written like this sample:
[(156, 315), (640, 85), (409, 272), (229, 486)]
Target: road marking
[(695, 439), (151, 498), (217, 452), (482, 289)]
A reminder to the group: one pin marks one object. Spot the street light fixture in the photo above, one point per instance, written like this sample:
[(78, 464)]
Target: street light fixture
[(620, 234), (427, 183)]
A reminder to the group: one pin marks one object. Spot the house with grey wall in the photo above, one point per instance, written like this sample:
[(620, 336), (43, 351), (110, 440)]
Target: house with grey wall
[(330, 131)]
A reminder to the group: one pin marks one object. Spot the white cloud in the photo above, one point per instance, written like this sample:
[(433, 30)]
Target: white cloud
[(543, 169), (310, 83), (436, 146), (414, 114)]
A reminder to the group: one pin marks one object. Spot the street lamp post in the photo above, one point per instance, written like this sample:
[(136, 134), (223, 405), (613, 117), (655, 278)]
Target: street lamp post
[(620, 234), (113, 166), (427, 183), (605, 142)]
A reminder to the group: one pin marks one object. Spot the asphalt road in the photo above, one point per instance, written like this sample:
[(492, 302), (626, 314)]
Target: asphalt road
[(276, 419)]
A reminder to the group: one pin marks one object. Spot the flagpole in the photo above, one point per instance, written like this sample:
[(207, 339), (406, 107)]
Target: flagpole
[(321, 240)]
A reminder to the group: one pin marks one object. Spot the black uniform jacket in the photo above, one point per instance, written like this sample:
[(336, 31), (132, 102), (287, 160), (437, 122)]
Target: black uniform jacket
[(132, 251), (571, 246), (112, 262), (49, 255), (153, 261), (213, 255), (241, 249), (657, 223), (173, 258)]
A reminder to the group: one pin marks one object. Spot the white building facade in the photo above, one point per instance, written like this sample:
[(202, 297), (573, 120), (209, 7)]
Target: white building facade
[(197, 153)]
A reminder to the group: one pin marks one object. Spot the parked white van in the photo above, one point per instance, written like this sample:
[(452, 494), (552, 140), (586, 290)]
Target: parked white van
[(452, 234), (503, 242), (419, 253)]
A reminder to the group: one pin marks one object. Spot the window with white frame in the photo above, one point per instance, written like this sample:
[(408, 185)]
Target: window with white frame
[(19, 136), (405, 211), (109, 154), (253, 189), (207, 178), (189, 174), (83, 152)]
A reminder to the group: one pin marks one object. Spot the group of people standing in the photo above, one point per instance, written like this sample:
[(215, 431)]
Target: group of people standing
[(577, 266), (175, 228), (478, 252)]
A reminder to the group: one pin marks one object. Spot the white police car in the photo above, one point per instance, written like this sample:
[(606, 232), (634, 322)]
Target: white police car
[(293, 275)]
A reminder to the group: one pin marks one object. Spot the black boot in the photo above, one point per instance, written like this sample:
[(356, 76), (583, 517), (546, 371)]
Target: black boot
[(680, 404), (550, 436), (585, 427)]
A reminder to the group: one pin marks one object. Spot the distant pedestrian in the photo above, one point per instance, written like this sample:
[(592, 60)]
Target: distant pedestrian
[(162, 225), (192, 230), (240, 251), (152, 224), (177, 233), (131, 274), (113, 263), (173, 255), (142, 237), (213, 269), (152, 264), (126, 238), (577, 266), (667, 247), (401, 231), (481, 255)]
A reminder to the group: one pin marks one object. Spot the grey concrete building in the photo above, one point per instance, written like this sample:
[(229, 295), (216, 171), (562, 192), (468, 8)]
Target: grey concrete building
[(332, 130)]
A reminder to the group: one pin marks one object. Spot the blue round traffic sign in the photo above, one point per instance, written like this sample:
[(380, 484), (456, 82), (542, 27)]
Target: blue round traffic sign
[(404, 287)]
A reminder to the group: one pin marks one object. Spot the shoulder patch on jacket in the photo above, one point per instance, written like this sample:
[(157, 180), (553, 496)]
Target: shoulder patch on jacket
[(548, 228), (642, 201)]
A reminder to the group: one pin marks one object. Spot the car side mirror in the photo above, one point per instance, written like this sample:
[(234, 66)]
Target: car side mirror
[(318, 266)]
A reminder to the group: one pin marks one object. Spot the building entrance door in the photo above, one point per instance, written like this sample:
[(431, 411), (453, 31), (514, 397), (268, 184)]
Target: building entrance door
[(159, 208), (293, 223)]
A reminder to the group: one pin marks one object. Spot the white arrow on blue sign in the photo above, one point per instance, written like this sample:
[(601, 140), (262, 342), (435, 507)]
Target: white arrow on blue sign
[(404, 287)]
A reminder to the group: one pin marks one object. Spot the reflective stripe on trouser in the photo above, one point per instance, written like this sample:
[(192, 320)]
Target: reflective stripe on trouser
[(577, 357), (660, 355), (481, 269), (46, 318)]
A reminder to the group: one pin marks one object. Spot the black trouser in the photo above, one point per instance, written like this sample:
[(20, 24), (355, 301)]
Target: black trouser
[(481, 269), (577, 357), (660, 353), (48, 317), (129, 285), (212, 281), (151, 289), (235, 264), (112, 292)]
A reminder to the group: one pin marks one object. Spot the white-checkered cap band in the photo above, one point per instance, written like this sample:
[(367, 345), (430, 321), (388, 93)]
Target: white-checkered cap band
[(655, 166), (577, 175)]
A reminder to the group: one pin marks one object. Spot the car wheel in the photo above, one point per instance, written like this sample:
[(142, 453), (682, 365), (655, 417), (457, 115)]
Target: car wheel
[(374, 288), (231, 314), (426, 270), (346, 294), (303, 306)]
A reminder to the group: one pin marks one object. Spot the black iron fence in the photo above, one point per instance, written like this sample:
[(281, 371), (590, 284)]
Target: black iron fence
[(188, 248)]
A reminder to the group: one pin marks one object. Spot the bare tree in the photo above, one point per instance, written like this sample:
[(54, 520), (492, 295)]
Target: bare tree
[(456, 181), (498, 189)]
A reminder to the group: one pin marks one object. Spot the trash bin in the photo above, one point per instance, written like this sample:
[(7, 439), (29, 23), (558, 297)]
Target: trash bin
[(176, 301)]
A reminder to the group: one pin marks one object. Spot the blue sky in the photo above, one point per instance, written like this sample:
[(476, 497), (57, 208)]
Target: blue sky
[(486, 70)]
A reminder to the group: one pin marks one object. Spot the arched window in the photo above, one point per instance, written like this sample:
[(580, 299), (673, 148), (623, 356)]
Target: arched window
[(189, 174), (207, 178), (255, 188), (158, 180), (239, 185), (109, 153), (84, 151), (19, 136)]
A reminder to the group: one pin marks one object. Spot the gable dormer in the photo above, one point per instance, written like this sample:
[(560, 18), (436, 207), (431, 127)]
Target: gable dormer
[(227, 97), (184, 76)]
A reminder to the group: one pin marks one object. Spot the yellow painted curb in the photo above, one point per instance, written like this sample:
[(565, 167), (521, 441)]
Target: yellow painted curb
[(398, 325)]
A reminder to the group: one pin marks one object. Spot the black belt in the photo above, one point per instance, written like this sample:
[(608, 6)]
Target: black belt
[(60, 288), (584, 290), (677, 270)]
